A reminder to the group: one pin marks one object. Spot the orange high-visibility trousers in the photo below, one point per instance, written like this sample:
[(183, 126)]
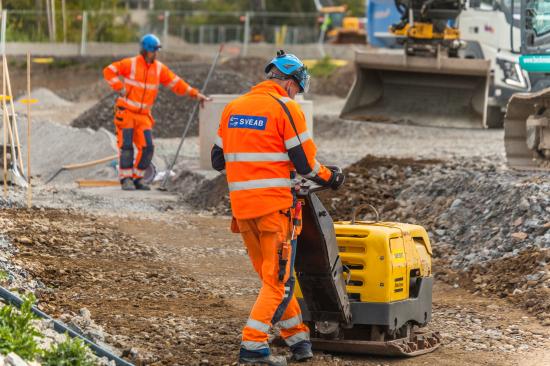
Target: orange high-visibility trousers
[(276, 302), (134, 129)]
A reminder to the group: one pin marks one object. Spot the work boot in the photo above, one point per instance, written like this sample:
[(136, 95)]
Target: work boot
[(263, 360), (127, 184), (141, 186), (301, 351), (302, 355)]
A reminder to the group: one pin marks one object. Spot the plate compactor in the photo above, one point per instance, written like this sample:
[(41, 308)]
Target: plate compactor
[(364, 287)]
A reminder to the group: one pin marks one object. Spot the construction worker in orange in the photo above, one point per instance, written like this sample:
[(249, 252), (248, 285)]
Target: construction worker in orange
[(262, 144), (137, 79)]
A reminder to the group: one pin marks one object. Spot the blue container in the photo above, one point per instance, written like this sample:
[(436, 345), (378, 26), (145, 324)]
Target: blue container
[(380, 15)]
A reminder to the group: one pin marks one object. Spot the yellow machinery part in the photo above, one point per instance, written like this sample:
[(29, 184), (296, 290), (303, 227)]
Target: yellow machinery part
[(351, 23), (451, 33), (425, 31), (421, 31), (380, 257)]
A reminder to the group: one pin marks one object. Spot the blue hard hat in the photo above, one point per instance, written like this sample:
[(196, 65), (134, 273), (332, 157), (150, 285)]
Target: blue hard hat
[(292, 67), (150, 43)]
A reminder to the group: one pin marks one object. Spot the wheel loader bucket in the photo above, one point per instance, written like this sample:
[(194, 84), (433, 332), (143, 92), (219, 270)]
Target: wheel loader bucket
[(521, 107), (432, 91)]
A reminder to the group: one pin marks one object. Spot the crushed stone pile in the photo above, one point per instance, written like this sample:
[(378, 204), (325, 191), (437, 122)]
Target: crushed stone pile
[(54, 145), (45, 99), (483, 211), (523, 279), (253, 67), (490, 227), (171, 111), (202, 192)]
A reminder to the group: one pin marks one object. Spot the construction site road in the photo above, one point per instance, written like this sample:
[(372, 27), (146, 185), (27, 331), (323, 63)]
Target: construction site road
[(176, 290)]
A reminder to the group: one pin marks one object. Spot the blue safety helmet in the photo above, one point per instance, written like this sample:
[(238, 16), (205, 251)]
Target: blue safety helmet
[(291, 67), (150, 43)]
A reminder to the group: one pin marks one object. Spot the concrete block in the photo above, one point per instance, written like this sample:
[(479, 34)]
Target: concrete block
[(209, 120)]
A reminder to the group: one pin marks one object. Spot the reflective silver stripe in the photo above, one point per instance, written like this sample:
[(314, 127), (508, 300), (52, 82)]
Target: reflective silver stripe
[(188, 90), (259, 183), (159, 68), (219, 141), (114, 80), (285, 99), (124, 173), (133, 68), (254, 346), (140, 173), (295, 141), (135, 104), (297, 338), (113, 68), (292, 322), (315, 170), (254, 157), (257, 325), (140, 84), (173, 82)]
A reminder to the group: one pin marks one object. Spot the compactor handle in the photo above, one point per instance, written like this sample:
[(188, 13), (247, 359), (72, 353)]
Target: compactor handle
[(360, 208)]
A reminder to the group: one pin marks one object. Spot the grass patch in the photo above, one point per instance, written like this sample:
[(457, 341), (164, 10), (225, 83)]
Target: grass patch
[(323, 68), (17, 333), (72, 352)]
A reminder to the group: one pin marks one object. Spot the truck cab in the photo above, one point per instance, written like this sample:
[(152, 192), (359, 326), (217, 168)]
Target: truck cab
[(491, 29)]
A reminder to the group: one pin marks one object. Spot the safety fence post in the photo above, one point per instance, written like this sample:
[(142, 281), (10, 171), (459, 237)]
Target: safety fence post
[(3, 36), (201, 34), (221, 34), (84, 34), (165, 28), (246, 36)]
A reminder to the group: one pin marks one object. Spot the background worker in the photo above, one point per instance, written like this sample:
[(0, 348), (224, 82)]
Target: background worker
[(262, 142), (141, 76)]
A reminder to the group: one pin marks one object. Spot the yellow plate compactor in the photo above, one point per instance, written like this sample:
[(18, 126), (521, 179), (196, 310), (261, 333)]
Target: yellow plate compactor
[(364, 287)]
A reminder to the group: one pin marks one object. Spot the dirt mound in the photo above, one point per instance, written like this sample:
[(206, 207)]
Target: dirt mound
[(202, 193), (338, 83), (252, 67), (170, 111), (372, 180), (523, 279)]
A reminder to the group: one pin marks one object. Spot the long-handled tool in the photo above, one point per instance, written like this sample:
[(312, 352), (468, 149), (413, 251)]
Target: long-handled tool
[(81, 165), (191, 118)]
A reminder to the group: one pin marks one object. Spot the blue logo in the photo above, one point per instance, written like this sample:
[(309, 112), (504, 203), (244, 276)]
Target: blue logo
[(251, 122)]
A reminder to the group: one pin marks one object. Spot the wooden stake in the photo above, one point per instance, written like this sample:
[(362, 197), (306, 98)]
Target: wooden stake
[(29, 188), (5, 127), (14, 121)]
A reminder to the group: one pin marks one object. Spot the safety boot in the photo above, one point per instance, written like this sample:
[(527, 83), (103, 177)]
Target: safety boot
[(302, 355), (301, 351), (263, 360), (141, 186), (127, 184)]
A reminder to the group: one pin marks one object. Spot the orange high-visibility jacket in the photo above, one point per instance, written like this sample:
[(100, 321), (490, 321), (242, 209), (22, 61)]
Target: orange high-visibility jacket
[(260, 149), (141, 82)]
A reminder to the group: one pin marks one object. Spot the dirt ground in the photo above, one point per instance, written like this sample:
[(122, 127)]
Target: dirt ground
[(177, 291)]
